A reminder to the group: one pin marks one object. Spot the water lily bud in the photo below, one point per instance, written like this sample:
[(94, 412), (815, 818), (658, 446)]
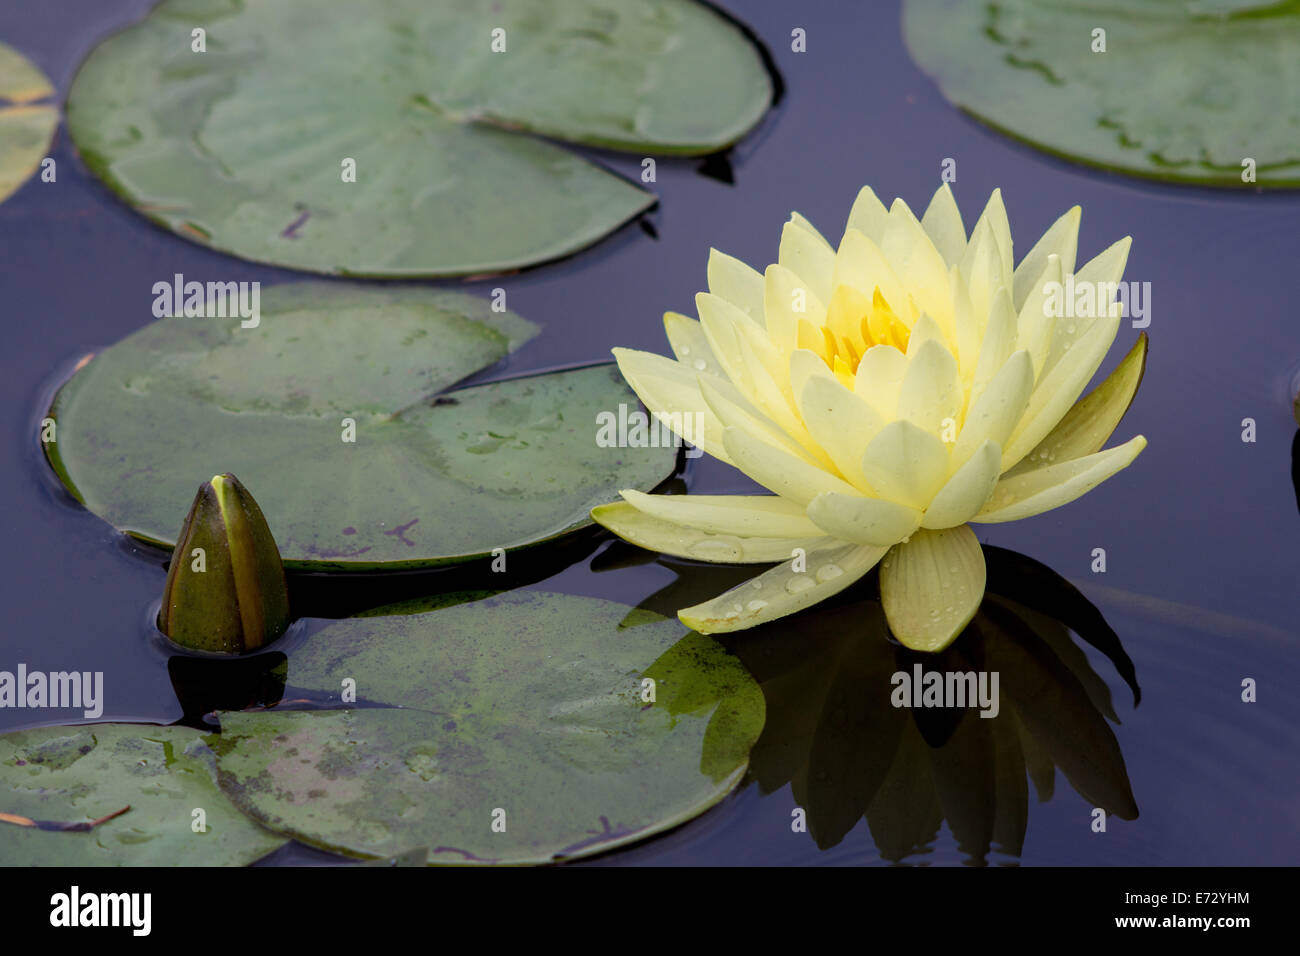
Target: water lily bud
[(225, 588)]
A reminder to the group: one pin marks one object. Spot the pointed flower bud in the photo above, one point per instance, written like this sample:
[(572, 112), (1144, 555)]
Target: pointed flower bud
[(225, 588)]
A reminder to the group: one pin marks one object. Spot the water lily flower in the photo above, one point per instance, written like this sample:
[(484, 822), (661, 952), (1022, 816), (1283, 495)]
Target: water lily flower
[(887, 392), (225, 590)]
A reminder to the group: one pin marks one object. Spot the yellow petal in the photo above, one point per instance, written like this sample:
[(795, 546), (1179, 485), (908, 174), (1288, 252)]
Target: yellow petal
[(715, 309), (967, 490), (1050, 486), (731, 279), (672, 394), (809, 228), (1092, 420), (765, 516), (806, 365), (1101, 274), (812, 339), (843, 372), (885, 325), (1061, 240), (923, 270), (772, 396), (779, 471), (863, 520), (737, 343), (999, 342), (905, 464), (841, 422), (667, 537), (849, 306), (967, 331), (1038, 314), (942, 223), (734, 412), (807, 255), (998, 410), (1058, 389), (786, 300), (931, 395), (880, 376), (982, 268), (690, 344), (925, 330), (861, 264), (783, 590), (995, 214), (868, 215), (931, 587)]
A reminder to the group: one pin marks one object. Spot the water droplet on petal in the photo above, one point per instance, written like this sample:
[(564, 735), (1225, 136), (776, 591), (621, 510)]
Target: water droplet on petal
[(797, 584), (700, 364), (717, 548), (756, 605), (829, 572)]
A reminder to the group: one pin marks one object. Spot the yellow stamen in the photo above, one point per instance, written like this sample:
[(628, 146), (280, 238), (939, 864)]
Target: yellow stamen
[(844, 315), (853, 325), (885, 326), (844, 372)]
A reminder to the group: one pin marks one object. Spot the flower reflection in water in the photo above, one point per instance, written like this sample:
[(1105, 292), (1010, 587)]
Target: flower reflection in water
[(834, 734)]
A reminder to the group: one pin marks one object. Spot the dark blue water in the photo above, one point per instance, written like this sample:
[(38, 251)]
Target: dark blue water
[(1201, 533)]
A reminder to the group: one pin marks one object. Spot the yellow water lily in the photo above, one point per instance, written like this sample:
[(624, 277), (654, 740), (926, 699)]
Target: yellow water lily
[(887, 392)]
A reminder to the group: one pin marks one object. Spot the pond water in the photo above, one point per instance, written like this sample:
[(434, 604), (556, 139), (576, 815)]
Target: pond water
[(1201, 533)]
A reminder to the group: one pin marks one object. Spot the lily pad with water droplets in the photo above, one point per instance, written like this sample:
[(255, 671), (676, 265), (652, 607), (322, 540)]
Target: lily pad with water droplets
[(1185, 92), (76, 775), (540, 713), (27, 119), (436, 474), (406, 138)]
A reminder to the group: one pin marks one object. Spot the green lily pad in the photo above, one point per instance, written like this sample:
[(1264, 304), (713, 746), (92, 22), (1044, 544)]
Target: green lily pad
[(243, 147), (526, 707), (26, 123), (1184, 92), (433, 476), (71, 775)]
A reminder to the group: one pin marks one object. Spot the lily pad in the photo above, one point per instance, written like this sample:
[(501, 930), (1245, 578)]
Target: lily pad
[(1184, 92), (244, 147), (71, 775), (433, 476), (26, 123), (528, 710)]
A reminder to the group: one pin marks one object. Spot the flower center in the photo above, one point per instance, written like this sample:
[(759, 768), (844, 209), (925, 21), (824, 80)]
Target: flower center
[(854, 324)]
